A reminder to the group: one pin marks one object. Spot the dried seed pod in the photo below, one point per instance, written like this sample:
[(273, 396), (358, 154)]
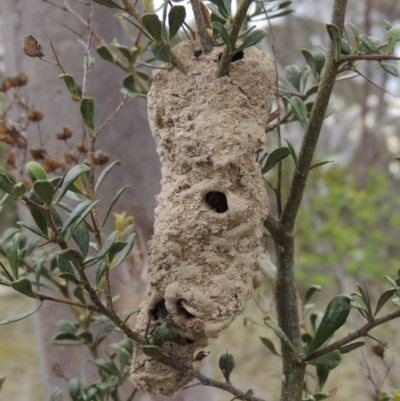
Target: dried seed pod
[(11, 160), (7, 84), (31, 47), (67, 133), (6, 139), (18, 139), (35, 116), (20, 79), (69, 156), (81, 147), (38, 153), (100, 158), (4, 129), (211, 208)]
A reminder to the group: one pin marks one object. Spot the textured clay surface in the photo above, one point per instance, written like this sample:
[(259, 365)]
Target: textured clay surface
[(209, 213)]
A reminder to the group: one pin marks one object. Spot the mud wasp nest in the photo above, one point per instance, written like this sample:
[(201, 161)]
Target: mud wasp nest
[(211, 207)]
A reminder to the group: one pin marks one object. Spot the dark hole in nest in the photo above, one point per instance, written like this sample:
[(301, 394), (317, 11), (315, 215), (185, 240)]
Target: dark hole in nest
[(198, 53), (159, 311), (182, 310), (217, 201), (237, 56)]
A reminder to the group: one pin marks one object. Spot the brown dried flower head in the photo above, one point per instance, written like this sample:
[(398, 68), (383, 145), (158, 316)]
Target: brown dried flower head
[(32, 47), (35, 116)]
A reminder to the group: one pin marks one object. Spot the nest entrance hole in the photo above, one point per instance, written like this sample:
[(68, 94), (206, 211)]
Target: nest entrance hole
[(237, 56), (182, 310), (217, 201), (159, 311)]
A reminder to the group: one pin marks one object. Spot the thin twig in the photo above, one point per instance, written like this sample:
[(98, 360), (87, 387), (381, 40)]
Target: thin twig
[(54, 4), (374, 83), (120, 106), (55, 54), (373, 57), (6, 272)]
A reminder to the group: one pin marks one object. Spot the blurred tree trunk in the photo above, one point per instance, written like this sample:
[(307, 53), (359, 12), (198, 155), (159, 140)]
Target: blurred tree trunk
[(126, 138)]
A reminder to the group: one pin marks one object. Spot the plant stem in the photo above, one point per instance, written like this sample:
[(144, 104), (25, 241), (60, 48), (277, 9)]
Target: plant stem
[(237, 22), (201, 26)]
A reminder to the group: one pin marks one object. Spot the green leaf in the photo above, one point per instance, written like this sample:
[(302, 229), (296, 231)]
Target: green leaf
[(71, 85), (152, 351), (216, 15), (153, 25), (311, 290), (383, 299), (292, 152), (55, 394), (35, 171), (269, 344), (129, 83), (106, 247), (254, 37), (346, 50), (64, 265), (176, 18), (81, 237), (319, 59), (351, 346), (304, 78), (396, 302), (18, 190), (393, 35), (72, 255), (320, 164), (105, 53), (83, 207), (391, 281), (336, 38), (334, 317), (390, 68), (310, 61), (74, 387), (104, 173), (160, 335), (21, 316), (226, 364), (221, 7), (82, 217), (70, 178), (108, 3), (87, 112), (24, 286), (328, 361), (107, 365), (38, 270), (370, 43), (223, 33), (12, 254), (355, 31), (161, 52), (126, 251), (280, 333), (293, 75), (113, 202), (321, 395), (365, 299), (275, 157), (117, 247), (78, 293), (100, 270), (32, 228), (45, 190), (299, 110), (4, 184), (322, 376)]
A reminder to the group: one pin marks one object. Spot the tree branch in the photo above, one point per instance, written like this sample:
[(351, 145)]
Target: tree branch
[(373, 57), (314, 125), (201, 26), (362, 332)]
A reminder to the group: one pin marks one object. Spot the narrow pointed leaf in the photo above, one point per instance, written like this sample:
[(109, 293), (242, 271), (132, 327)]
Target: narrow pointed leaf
[(223, 33), (126, 251), (391, 281), (81, 237), (334, 317), (322, 376), (113, 202), (355, 31), (32, 228), (38, 270), (12, 254), (275, 157), (108, 3), (319, 59), (105, 53), (82, 217), (83, 207), (78, 293), (390, 68), (351, 346), (5, 185), (104, 173), (117, 247), (383, 299), (320, 164), (72, 255), (370, 43), (393, 35), (55, 394), (310, 61), (153, 25), (87, 112), (336, 38), (21, 316), (100, 270), (176, 18), (293, 75), (269, 344), (252, 39), (328, 361), (299, 110), (24, 286), (107, 365), (226, 364), (71, 85), (311, 291), (280, 333), (70, 178)]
